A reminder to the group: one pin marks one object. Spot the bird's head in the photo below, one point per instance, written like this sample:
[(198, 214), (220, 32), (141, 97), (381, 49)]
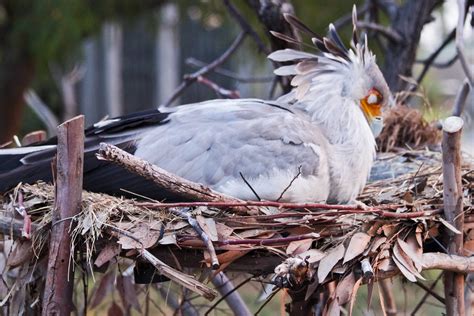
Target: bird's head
[(337, 76)]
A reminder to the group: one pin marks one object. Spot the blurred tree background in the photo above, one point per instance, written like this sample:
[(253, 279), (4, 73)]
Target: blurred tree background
[(61, 50)]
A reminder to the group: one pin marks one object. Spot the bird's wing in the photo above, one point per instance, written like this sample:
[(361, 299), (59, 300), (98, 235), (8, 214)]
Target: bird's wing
[(219, 142), (32, 163)]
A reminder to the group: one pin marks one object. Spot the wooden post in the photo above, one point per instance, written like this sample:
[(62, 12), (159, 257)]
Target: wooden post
[(57, 299), (453, 208)]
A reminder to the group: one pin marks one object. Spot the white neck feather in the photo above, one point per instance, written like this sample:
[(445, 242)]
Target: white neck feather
[(347, 130)]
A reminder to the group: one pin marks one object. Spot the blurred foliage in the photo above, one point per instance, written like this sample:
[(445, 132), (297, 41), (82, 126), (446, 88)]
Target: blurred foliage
[(52, 30)]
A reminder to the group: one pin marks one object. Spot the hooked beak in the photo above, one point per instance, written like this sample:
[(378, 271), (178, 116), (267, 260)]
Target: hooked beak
[(373, 114)]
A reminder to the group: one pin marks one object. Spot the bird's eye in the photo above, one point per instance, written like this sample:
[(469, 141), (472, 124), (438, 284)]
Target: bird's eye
[(374, 97)]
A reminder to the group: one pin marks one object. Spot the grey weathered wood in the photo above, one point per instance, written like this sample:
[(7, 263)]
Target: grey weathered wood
[(234, 300), (186, 189), (57, 299), (453, 210)]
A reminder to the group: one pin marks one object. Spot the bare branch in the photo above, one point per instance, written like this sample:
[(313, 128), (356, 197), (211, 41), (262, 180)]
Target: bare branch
[(42, 111), (460, 41), (230, 294), (193, 62), (162, 178), (425, 296), (388, 32), (204, 237), (461, 97), (429, 61), (221, 92), (245, 26), (191, 78)]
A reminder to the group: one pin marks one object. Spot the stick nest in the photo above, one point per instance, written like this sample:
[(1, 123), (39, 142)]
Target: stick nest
[(314, 244)]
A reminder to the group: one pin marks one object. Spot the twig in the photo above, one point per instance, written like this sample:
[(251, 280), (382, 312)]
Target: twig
[(444, 64), (162, 178), (230, 294), (267, 241), (250, 186), (350, 208), (225, 296), (290, 184), (388, 32), (430, 291), (425, 296), (390, 304), (266, 301), (221, 92), (193, 62), (460, 41), (186, 308), (347, 19), (453, 210), (461, 97), (42, 111), (190, 78), (183, 279), (429, 61), (58, 290), (245, 26), (204, 237)]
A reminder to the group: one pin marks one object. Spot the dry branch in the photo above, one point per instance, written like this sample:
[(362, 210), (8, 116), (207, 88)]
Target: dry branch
[(453, 210), (58, 290), (179, 277), (163, 179), (225, 287)]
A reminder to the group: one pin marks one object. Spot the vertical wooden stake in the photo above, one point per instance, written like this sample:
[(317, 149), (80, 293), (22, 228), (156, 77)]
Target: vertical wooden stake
[(453, 210), (57, 299)]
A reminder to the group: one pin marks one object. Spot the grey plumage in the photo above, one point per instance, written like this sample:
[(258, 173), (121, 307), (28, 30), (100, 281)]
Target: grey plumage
[(317, 137)]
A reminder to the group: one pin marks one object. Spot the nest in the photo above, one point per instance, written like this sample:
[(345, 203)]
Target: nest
[(305, 245), (404, 126)]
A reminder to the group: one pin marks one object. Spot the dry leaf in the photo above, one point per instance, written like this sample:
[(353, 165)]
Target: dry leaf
[(329, 261), (22, 253), (355, 288), (356, 246), (127, 292), (411, 248), (223, 231), (104, 288), (378, 241), (208, 225), (298, 246), (315, 255), (168, 239), (332, 308), (405, 260), (449, 226), (111, 250), (370, 291), (146, 236), (114, 310), (404, 270), (311, 288), (176, 225), (252, 233), (385, 264), (344, 289), (389, 230)]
